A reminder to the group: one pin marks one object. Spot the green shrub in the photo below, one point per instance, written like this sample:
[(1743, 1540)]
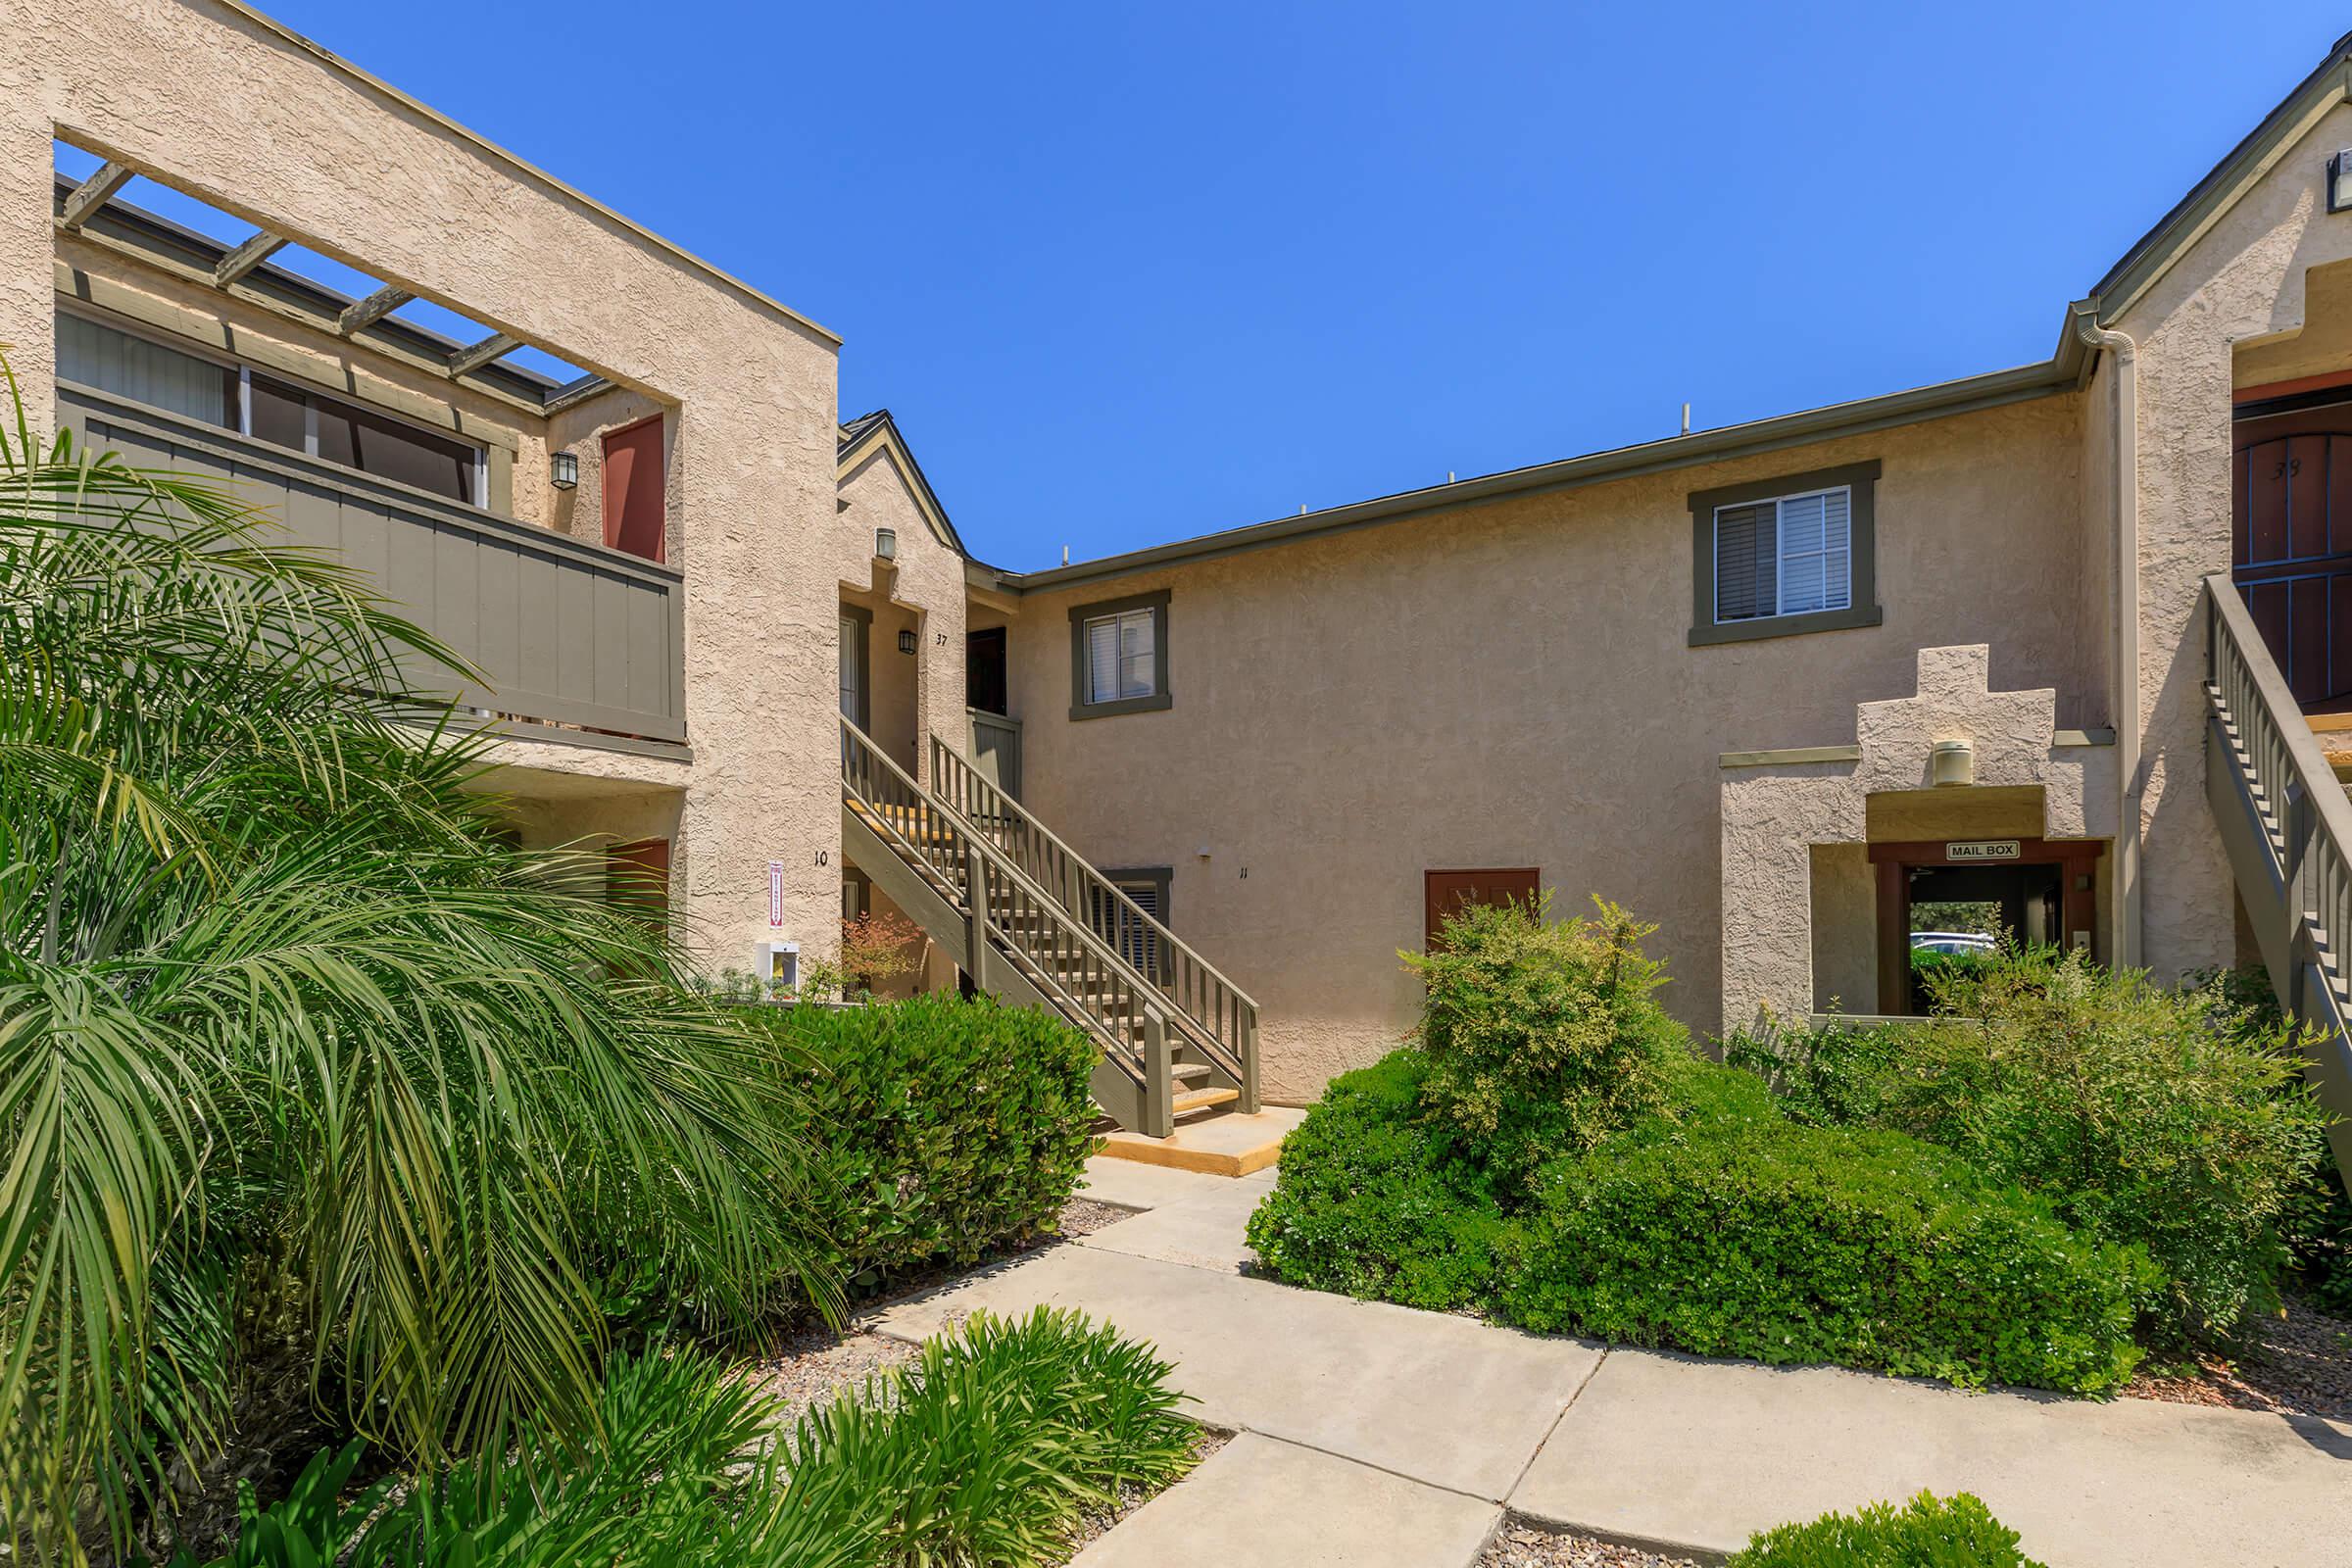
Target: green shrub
[(1542, 1036), (1376, 1199), (1838, 1075), (1926, 1531), (942, 1127), (1731, 1231), (985, 1449), (1934, 971), (2171, 1119)]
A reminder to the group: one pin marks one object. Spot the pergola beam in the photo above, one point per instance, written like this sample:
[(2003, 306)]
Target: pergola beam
[(91, 194), (473, 356), (250, 253), (374, 308)]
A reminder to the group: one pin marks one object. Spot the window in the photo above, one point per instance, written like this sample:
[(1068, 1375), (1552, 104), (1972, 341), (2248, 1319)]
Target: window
[(146, 373), (1789, 554), (1119, 657), (230, 396), (1116, 924)]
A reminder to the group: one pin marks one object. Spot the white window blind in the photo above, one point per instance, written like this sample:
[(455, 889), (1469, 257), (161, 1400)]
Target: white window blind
[(1789, 556), (1122, 655), (146, 373)]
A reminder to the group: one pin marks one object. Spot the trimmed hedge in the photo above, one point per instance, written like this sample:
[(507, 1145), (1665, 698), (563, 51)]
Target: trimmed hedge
[(1736, 1232), (1720, 1227), (942, 1127), (1378, 1202), (1927, 1532)]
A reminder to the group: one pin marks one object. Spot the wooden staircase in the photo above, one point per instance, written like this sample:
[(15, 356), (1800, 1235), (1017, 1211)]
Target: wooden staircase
[(1033, 925), (2285, 822)]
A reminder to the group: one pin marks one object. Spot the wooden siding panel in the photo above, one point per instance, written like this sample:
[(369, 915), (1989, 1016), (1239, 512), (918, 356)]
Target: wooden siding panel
[(565, 632)]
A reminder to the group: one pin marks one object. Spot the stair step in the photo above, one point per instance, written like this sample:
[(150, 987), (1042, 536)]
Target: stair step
[(1202, 1099), (1191, 1072)]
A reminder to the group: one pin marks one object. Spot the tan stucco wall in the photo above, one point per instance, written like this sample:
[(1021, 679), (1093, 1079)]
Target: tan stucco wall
[(1510, 685), (1776, 818), (1845, 929), (922, 592), (219, 104), (2242, 282)]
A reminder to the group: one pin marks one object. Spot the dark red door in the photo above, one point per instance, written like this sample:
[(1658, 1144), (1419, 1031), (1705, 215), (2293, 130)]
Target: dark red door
[(635, 516), (1443, 893), (2292, 483)]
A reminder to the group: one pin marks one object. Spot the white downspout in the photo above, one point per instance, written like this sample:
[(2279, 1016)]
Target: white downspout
[(2127, 634)]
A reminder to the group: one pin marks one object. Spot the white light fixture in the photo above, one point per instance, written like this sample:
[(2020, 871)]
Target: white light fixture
[(2339, 179), (886, 544), (563, 470), (1952, 763)]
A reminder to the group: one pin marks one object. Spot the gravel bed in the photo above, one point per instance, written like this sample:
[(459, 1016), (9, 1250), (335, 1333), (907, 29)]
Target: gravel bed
[(1524, 1545), (812, 1364), (2300, 1365), (1083, 1217)]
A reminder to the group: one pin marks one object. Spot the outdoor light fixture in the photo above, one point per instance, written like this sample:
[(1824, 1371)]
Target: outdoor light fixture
[(886, 543), (1952, 763), (905, 642), (2339, 179), (563, 470)]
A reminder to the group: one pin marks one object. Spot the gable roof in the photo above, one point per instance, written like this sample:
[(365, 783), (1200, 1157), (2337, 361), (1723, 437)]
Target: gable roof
[(877, 432), (2153, 254)]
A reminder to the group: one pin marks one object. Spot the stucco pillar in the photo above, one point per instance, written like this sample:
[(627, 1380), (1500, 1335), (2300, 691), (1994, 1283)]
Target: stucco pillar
[(27, 294)]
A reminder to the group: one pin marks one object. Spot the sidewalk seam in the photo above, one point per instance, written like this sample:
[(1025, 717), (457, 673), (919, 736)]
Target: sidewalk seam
[(1552, 1430)]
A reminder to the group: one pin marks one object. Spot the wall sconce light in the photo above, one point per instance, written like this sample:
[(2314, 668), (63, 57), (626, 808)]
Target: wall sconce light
[(886, 543), (563, 470), (905, 642), (1952, 763)]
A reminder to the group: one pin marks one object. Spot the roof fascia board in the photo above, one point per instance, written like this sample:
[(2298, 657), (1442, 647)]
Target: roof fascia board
[(2154, 254), (2063, 371), (883, 437), (376, 86)]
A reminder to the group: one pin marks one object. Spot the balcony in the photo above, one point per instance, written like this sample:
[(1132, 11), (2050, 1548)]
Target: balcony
[(579, 643)]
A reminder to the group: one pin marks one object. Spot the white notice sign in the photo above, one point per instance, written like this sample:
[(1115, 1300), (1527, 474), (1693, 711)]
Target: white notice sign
[(776, 895), (1981, 849)]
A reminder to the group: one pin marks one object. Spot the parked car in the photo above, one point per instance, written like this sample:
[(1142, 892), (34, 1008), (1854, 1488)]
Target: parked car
[(1950, 942)]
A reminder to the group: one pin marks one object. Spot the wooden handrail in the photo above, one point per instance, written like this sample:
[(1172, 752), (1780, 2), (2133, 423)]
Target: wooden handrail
[(1116, 1014), (2310, 816), (1217, 1016)]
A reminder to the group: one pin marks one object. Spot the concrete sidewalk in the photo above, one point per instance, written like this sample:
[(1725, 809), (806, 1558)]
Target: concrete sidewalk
[(1432, 1424)]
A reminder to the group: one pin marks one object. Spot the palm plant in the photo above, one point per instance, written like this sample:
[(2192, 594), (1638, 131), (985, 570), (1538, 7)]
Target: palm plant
[(278, 1002)]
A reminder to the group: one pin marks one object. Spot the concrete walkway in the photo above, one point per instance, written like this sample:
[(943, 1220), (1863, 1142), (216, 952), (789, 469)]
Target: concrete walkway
[(1379, 1436)]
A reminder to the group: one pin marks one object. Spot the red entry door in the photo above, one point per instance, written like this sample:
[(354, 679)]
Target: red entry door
[(2292, 483), (636, 515)]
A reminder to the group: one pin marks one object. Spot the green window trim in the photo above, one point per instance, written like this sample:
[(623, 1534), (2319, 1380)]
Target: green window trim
[(1080, 691), (1860, 480)]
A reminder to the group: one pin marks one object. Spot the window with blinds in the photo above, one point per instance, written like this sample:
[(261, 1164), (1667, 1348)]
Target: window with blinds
[(145, 372), (1122, 655), (1787, 555), (1130, 937), (131, 367)]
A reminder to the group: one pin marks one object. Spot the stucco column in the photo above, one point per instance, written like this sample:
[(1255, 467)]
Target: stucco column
[(27, 294)]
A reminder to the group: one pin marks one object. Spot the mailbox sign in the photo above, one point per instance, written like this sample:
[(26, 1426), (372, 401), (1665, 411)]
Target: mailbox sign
[(1981, 849)]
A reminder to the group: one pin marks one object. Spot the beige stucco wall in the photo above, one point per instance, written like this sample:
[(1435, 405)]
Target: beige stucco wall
[(922, 592), (2241, 283), (1776, 818), (1510, 684), (207, 97)]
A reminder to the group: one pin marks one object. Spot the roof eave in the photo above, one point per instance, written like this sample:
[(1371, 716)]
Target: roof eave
[(2064, 371)]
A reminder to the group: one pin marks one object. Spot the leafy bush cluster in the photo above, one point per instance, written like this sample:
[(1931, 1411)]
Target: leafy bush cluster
[(1732, 1232), (940, 1127), (2171, 1120), (1927, 1532), (1541, 1037), (1685, 1211), (307, 1073), (986, 1448)]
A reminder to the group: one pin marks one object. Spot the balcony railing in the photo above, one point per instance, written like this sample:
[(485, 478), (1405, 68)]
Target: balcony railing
[(580, 643)]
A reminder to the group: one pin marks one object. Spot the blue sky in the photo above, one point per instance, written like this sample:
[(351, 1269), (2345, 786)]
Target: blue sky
[(1128, 273)]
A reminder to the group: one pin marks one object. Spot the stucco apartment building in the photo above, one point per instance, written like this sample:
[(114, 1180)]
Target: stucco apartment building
[(2060, 637)]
